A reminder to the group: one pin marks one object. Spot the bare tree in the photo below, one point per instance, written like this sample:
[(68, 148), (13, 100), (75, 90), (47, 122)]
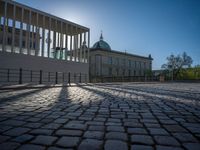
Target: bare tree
[(176, 63)]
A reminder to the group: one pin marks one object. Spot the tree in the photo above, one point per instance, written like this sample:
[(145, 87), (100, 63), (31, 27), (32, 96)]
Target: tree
[(176, 63)]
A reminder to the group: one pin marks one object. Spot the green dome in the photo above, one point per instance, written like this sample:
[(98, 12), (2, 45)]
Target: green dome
[(101, 44)]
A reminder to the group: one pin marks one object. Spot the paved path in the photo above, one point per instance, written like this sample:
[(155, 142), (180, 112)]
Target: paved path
[(105, 116)]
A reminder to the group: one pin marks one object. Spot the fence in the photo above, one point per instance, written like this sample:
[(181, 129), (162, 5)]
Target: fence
[(124, 79), (21, 76)]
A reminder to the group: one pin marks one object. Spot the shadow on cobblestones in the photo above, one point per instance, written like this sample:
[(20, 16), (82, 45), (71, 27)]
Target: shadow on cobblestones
[(97, 117), (16, 97)]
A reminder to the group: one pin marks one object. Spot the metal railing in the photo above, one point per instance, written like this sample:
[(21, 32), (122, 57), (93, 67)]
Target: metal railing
[(21, 76), (123, 78)]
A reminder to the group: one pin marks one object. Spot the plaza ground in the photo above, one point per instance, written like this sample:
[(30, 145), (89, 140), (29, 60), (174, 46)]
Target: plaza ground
[(120, 116)]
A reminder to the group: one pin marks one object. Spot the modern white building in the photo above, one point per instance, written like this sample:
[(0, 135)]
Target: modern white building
[(35, 40)]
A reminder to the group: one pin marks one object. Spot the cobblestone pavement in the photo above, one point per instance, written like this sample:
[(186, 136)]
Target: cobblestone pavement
[(125, 116)]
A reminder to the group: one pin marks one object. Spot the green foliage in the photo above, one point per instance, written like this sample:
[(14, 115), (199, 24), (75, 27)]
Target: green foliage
[(189, 73)]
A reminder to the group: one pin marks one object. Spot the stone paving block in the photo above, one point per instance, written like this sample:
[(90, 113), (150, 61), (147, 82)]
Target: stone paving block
[(42, 132), (175, 128), (142, 139), (133, 124), (9, 145), (75, 126), (13, 122), (51, 126), (61, 120), (16, 131), (31, 147), (116, 136), (98, 123), (67, 141), (137, 131), (3, 138), (44, 140), (58, 148), (166, 140), (23, 138), (33, 125), (62, 132), (115, 145), (90, 144), (96, 128), (115, 128), (94, 134), (141, 147), (160, 147), (158, 131), (192, 146), (185, 137), (4, 128)]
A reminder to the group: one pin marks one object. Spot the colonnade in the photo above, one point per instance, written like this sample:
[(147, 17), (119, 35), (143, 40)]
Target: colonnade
[(29, 31)]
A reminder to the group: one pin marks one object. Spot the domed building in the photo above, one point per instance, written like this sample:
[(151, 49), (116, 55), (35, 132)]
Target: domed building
[(110, 65), (101, 44)]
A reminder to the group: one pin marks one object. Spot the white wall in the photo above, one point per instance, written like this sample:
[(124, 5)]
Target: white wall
[(28, 62)]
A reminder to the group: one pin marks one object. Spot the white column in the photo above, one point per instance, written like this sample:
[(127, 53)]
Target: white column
[(29, 27), (37, 41), (13, 29), (80, 47), (66, 42), (49, 38), (43, 35), (75, 45), (21, 32), (32, 38), (88, 49), (61, 40), (54, 39), (71, 43), (84, 49), (4, 27)]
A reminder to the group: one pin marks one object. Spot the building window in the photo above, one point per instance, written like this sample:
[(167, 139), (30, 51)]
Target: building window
[(134, 73), (123, 72), (124, 62), (110, 71), (110, 60), (129, 72), (117, 70), (117, 61), (129, 63)]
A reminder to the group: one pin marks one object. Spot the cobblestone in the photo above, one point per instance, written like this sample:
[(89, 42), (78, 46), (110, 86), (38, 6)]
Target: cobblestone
[(116, 145), (125, 116), (44, 140), (91, 144)]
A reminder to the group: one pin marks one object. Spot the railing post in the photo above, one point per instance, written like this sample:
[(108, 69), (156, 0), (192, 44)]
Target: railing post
[(74, 77), (80, 78), (69, 78), (56, 77), (31, 75), (48, 76), (40, 82), (8, 75), (20, 76), (63, 77)]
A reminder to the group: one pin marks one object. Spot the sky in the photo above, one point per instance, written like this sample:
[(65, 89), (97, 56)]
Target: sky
[(141, 27)]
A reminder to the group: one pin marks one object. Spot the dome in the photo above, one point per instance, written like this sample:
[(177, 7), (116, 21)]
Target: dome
[(101, 44)]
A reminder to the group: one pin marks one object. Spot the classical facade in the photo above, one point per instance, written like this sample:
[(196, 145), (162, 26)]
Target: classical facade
[(32, 39), (107, 64)]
